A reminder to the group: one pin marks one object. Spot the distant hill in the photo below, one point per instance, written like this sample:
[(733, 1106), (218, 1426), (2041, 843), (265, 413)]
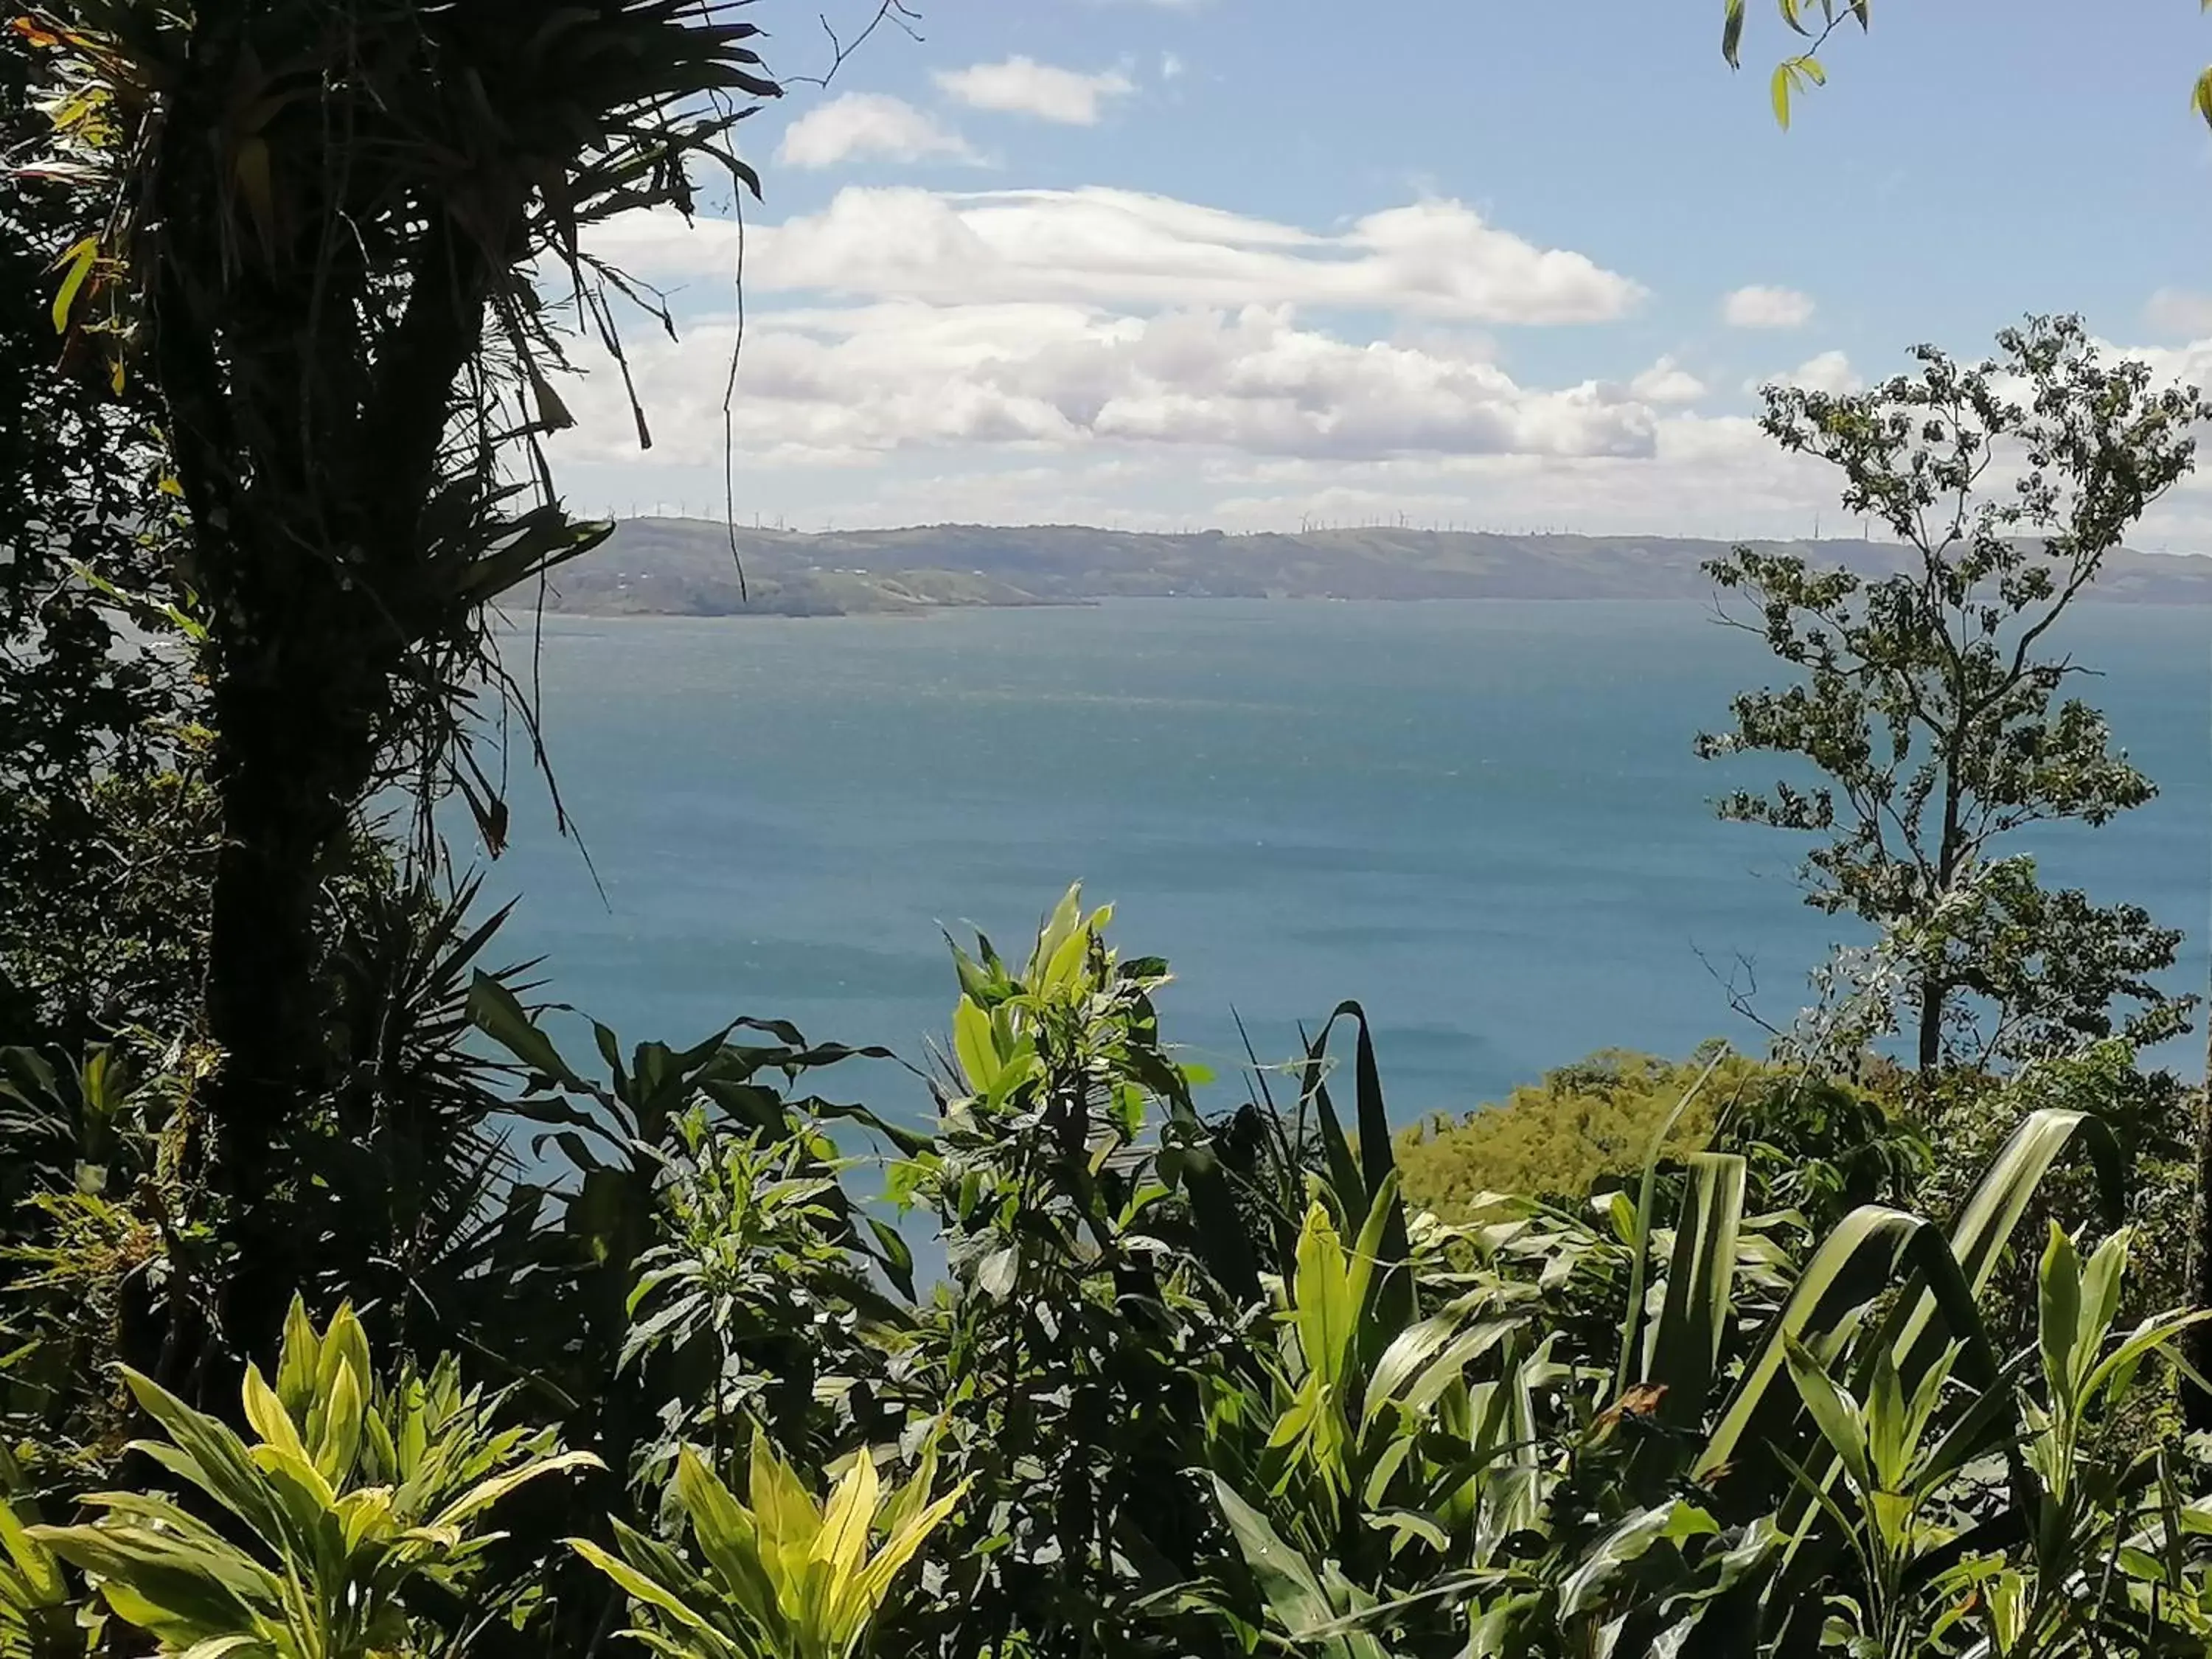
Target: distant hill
[(683, 567)]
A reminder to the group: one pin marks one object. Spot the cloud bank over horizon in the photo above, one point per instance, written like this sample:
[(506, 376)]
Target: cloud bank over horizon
[(911, 353)]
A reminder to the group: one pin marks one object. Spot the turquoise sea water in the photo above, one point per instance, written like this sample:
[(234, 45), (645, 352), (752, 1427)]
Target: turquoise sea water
[(1483, 819)]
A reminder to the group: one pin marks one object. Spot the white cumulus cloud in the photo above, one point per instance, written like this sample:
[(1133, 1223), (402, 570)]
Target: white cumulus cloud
[(1759, 307), (1831, 372), (2180, 311), (1667, 382), (1023, 86), (868, 126), (826, 384), (1435, 258)]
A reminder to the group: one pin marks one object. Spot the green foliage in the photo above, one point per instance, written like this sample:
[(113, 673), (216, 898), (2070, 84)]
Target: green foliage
[(1851, 1464), (2152, 1119), (649, 1266), (1747, 1395), (1087, 1263), (780, 1577), (1821, 1145), (1928, 703), (335, 303), (1716, 1358), (1797, 14), (105, 834), (758, 1291), (91, 1217), (40, 1615), (356, 1498), (1558, 1138)]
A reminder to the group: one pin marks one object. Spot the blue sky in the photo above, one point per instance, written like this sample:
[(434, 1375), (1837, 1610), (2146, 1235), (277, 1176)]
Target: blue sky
[(1260, 262)]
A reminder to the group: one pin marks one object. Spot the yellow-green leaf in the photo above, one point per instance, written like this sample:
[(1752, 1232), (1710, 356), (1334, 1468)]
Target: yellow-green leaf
[(41, 1573), (1732, 35), (266, 1415), (875, 1580), (340, 1442), (75, 265), (973, 1046), (845, 1521)]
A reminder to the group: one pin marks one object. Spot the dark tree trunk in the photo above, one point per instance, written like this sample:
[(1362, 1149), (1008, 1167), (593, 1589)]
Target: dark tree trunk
[(295, 750), (308, 422), (1929, 1051)]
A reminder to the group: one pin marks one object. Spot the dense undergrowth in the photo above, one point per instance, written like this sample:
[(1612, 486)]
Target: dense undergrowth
[(1193, 1384)]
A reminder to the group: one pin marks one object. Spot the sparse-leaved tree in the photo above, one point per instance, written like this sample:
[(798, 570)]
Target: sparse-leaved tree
[(1931, 701)]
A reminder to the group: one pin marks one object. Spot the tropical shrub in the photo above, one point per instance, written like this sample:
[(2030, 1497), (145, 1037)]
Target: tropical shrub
[(1096, 1260), (1776, 1452), (356, 1501), (780, 1576), (1824, 1142), (1190, 1387)]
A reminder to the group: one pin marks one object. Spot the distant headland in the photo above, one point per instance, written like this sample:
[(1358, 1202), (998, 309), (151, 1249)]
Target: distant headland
[(683, 567)]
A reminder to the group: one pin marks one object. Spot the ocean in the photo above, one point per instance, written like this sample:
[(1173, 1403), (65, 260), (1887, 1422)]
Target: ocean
[(1482, 819)]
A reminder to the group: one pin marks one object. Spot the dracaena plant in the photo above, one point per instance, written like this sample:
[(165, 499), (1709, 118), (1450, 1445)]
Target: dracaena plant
[(2086, 1551), (39, 1607), (776, 1575), (353, 1496)]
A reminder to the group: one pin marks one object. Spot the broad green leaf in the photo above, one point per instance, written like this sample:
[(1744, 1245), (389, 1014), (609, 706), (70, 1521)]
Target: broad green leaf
[(906, 1539), (847, 1518), (1286, 1579), (783, 1513), (999, 1272), (1639, 1239), (1323, 1304), (1693, 1319), (208, 1454), (1855, 1264), (2148, 1337), (1629, 1541), (485, 1493), (638, 1586), (298, 1362), (498, 1013), (1985, 1224), (40, 1570), (340, 1443), (2058, 1301), (973, 1046), (266, 1416), (1409, 1351), (1889, 1425), (1067, 917), (725, 1535), (2100, 1302), (205, 1591), (1835, 1414)]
